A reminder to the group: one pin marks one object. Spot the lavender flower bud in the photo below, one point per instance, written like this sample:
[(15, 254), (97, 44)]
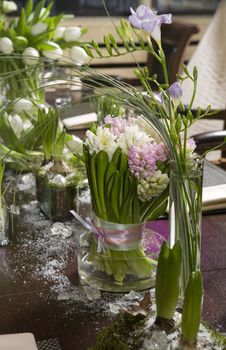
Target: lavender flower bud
[(176, 91)]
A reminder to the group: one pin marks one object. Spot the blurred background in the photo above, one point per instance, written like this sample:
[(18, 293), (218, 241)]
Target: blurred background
[(121, 8)]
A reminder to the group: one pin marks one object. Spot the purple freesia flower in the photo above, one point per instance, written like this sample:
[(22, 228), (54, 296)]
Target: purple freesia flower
[(145, 18), (176, 91)]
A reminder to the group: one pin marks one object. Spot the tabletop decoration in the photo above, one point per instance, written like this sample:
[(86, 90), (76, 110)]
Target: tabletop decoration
[(28, 42), (58, 176), (119, 166), (127, 172), (163, 109)]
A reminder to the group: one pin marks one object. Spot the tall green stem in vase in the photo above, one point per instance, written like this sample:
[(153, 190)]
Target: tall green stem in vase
[(185, 215)]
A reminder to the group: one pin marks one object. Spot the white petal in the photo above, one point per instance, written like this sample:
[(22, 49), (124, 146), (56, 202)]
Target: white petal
[(30, 56), (54, 54), (39, 28), (23, 105), (59, 32), (16, 124), (78, 55), (72, 34), (6, 45)]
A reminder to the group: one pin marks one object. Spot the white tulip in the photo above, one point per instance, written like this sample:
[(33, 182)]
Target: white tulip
[(16, 124), (75, 145), (59, 32), (30, 56), (6, 45), (72, 34), (23, 105), (39, 28), (78, 55), (9, 6), (53, 54)]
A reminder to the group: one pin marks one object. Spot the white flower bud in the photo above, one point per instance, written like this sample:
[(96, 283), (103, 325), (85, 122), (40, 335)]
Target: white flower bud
[(53, 54), (59, 32), (6, 45), (16, 124), (78, 55), (30, 56), (39, 28), (9, 6), (72, 34), (23, 105)]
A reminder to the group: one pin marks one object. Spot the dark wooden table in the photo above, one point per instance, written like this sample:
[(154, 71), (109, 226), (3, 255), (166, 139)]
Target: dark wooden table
[(38, 268)]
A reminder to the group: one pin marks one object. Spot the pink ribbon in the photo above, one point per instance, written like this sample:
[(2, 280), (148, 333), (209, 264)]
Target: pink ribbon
[(115, 236), (87, 223)]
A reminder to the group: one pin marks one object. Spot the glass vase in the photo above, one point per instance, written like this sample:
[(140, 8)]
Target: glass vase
[(186, 214), (118, 258), (4, 223), (56, 199)]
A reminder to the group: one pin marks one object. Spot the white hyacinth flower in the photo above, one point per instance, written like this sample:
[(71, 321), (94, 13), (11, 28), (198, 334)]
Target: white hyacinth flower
[(9, 6), (39, 28), (53, 54), (78, 55), (102, 140), (23, 105), (75, 145), (6, 45), (16, 124), (152, 186), (58, 33), (133, 136), (72, 34), (30, 56)]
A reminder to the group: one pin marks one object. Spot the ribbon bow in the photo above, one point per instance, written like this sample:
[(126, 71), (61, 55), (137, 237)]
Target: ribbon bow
[(87, 223)]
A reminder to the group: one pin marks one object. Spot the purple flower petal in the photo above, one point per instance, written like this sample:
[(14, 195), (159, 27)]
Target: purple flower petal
[(166, 18), (149, 25), (135, 22)]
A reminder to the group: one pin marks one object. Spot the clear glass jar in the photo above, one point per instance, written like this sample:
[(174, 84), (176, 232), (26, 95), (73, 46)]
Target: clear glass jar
[(118, 267), (186, 214)]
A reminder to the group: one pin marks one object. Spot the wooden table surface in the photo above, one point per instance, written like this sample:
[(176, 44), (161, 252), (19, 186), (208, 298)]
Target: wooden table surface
[(37, 267)]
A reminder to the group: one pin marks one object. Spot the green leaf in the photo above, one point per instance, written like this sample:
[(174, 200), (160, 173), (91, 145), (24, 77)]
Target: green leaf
[(153, 209), (38, 10), (22, 26), (101, 167), (28, 7), (59, 146), (45, 46), (93, 185), (192, 307)]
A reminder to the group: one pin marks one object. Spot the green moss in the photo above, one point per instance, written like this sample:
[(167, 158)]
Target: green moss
[(218, 337), (116, 335)]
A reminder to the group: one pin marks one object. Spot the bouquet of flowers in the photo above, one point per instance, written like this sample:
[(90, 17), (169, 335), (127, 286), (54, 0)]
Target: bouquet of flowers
[(27, 42), (128, 177)]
